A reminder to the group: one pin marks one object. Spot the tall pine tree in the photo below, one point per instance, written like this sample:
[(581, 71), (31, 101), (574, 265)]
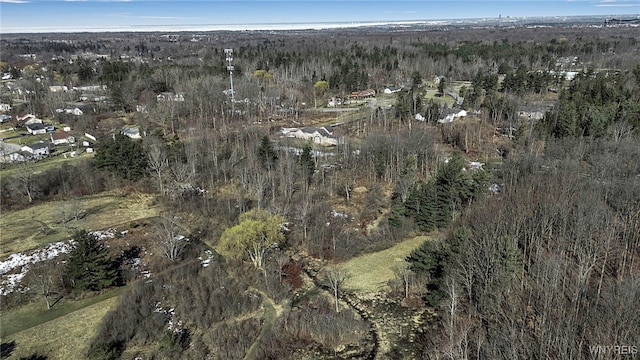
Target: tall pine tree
[(89, 266)]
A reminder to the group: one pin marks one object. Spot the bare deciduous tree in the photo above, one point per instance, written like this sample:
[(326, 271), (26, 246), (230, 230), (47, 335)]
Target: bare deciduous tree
[(43, 280), (336, 277), (169, 239), (157, 161), (404, 273)]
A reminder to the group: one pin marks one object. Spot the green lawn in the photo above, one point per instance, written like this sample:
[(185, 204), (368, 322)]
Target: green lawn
[(35, 313), (371, 272), (43, 165), (41, 224), (63, 337)]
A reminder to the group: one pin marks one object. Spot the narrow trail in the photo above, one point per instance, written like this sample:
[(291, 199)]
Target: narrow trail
[(271, 312)]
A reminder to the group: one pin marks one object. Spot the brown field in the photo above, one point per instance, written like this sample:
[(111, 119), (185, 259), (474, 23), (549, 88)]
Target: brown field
[(42, 224)]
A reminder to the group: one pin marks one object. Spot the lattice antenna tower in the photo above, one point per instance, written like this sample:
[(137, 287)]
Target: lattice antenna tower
[(229, 54)]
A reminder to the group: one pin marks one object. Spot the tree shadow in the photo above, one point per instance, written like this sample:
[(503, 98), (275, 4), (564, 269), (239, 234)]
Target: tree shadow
[(56, 301), (6, 348), (35, 356)]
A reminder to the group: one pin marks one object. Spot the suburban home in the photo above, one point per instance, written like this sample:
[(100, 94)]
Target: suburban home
[(322, 136), (5, 107), (36, 128), (169, 96), (337, 101), (392, 89), (363, 94), (61, 137), (73, 111), (27, 118), (38, 150), (9, 152), (531, 113), (5, 118), (132, 132), (58, 88), (449, 115), (90, 88)]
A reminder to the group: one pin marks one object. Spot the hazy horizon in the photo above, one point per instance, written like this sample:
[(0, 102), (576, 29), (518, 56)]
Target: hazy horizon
[(35, 16)]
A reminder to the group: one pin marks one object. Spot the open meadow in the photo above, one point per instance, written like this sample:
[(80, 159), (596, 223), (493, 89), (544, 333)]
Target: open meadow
[(65, 337), (49, 222), (370, 273)]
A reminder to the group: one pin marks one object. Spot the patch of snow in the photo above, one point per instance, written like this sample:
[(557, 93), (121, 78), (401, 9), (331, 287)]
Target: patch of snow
[(476, 165), (206, 261), (11, 282), (495, 189), (336, 214), (104, 234), (51, 251)]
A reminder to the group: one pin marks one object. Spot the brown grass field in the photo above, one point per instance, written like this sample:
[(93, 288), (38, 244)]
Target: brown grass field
[(64, 338), (370, 273), (42, 224)]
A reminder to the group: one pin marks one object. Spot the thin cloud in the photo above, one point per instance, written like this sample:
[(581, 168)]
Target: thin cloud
[(619, 5), (14, 1), (163, 17)]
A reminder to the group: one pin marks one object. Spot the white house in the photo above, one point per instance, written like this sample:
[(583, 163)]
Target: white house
[(452, 114), (74, 111), (8, 152), (131, 132), (58, 88), (36, 128), (322, 136), (392, 89), (169, 96), (61, 137), (38, 150), (5, 107)]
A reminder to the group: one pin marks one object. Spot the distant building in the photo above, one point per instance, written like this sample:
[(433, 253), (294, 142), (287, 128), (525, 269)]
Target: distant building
[(450, 114), (322, 136), (392, 89), (38, 150), (132, 132), (363, 94), (61, 137), (169, 96), (36, 129)]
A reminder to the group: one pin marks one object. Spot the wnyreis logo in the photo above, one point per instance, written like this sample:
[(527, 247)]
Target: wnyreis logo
[(613, 349)]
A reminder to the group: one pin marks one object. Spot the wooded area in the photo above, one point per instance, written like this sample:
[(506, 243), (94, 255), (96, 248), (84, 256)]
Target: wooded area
[(530, 199)]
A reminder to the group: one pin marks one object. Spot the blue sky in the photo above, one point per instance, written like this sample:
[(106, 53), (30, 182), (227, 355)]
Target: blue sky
[(112, 15)]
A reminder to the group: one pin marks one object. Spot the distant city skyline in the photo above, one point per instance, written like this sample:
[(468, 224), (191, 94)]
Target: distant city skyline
[(35, 16)]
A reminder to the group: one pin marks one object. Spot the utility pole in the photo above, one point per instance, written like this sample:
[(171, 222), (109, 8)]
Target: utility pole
[(229, 55)]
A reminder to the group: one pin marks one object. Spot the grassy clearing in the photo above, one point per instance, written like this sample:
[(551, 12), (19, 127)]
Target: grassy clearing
[(35, 313), (371, 272), (37, 167), (42, 224), (65, 338)]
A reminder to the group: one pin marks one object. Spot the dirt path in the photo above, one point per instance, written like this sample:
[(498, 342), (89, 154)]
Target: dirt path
[(271, 312)]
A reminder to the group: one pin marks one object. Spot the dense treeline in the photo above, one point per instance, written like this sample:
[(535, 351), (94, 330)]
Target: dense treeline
[(548, 268), (594, 102)]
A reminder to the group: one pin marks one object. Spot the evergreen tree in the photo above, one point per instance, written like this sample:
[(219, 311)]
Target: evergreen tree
[(307, 163), (123, 156), (266, 153), (89, 266), (428, 259)]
